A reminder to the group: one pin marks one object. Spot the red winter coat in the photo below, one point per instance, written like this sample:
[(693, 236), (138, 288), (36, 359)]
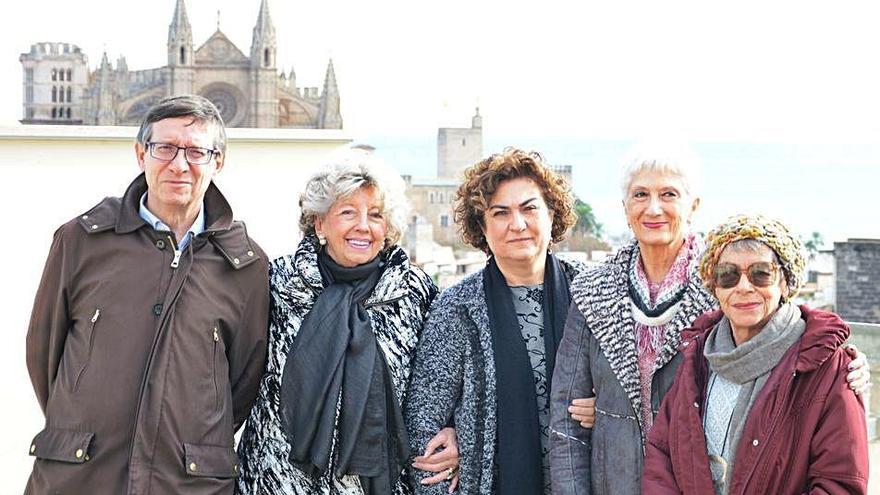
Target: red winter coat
[(805, 432)]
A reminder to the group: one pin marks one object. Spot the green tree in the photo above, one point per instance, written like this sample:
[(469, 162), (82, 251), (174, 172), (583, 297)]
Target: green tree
[(586, 222), (814, 244)]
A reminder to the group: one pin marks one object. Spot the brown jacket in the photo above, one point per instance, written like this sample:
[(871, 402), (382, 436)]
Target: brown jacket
[(144, 371)]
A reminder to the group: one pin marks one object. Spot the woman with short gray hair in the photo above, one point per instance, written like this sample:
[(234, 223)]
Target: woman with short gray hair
[(346, 313)]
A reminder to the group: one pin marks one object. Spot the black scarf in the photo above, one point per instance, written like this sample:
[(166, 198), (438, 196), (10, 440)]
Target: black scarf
[(336, 358), (518, 430)]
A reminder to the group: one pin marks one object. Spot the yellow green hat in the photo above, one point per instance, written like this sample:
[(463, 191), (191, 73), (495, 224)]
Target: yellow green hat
[(787, 246)]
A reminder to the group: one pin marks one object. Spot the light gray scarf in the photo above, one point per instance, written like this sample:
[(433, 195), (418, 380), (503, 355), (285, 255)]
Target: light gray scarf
[(748, 365)]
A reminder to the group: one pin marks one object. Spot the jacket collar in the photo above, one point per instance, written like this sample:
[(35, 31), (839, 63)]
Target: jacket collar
[(602, 295), (473, 298), (122, 216), (393, 283), (824, 333)]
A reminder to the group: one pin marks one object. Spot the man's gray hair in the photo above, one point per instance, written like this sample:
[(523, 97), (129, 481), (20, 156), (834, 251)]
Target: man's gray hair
[(678, 160), (199, 108), (350, 171)]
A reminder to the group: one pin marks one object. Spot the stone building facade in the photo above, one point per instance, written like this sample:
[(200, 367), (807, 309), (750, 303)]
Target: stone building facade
[(457, 149), (857, 284), (248, 89)]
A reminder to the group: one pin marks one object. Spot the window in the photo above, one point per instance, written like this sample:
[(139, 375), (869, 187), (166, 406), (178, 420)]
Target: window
[(68, 92), (68, 112), (68, 75), (54, 112), (430, 195), (182, 55), (54, 94), (444, 220), (463, 142), (54, 75), (266, 57)]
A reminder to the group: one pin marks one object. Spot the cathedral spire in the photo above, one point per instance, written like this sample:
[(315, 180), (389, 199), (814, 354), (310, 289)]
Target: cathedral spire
[(329, 116), (180, 43), (179, 30), (263, 43)]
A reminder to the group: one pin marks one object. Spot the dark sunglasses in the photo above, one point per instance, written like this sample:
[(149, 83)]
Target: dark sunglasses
[(760, 274)]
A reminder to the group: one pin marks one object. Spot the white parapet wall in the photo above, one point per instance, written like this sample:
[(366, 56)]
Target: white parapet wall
[(49, 174)]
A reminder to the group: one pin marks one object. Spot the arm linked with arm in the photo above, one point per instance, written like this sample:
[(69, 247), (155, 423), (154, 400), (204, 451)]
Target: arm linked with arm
[(247, 357), (435, 384), (570, 444)]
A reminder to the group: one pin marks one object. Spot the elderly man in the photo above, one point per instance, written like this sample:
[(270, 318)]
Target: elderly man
[(147, 339)]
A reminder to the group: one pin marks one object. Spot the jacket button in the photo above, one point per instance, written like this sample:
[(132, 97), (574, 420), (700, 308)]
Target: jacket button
[(192, 467), (160, 244), (696, 404), (94, 227), (235, 468), (250, 253), (85, 217), (33, 448), (236, 261), (685, 343), (157, 309), (78, 453), (755, 442)]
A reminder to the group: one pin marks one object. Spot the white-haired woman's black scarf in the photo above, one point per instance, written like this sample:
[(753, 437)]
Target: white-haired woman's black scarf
[(335, 359), (518, 429)]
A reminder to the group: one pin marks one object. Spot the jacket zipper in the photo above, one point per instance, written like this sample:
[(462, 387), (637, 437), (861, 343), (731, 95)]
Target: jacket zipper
[(85, 365), (216, 337), (769, 433), (149, 365), (177, 252)]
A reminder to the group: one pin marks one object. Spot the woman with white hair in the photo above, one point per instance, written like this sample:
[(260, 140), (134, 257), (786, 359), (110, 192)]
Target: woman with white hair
[(346, 312), (623, 335)]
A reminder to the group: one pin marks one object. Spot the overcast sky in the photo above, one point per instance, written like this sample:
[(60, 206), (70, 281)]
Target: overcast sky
[(734, 71)]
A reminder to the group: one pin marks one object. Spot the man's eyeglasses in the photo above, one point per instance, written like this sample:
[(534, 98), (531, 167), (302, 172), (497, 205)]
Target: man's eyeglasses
[(760, 274), (167, 152)]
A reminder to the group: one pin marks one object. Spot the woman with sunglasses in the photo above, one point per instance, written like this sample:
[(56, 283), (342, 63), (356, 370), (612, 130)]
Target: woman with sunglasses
[(623, 335), (759, 404)]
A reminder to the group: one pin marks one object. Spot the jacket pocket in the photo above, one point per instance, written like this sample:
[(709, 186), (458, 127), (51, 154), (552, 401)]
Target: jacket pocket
[(210, 461), (91, 326), (55, 444), (218, 353)]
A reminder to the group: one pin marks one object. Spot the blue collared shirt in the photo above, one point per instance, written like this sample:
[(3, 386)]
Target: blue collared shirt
[(195, 229)]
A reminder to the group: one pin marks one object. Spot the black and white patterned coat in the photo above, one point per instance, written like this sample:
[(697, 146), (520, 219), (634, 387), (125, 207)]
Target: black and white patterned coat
[(598, 353), (454, 382), (397, 309)]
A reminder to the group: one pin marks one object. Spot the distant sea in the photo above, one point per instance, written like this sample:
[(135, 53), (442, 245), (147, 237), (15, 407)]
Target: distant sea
[(827, 188)]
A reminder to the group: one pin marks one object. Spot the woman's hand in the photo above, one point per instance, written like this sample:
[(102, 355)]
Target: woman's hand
[(859, 376), (583, 411), (441, 457)]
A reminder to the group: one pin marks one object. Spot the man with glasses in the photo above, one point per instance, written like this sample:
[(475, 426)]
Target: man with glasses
[(147, 339)]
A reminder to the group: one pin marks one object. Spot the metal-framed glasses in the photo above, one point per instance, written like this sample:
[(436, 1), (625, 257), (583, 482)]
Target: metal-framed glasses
[(760, 274), (193, 154)]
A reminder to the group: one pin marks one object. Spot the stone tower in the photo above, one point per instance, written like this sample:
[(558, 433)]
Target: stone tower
[(329, 116), (56, 75), (180, 53), (264, 76), (459, 148), (106, 96)]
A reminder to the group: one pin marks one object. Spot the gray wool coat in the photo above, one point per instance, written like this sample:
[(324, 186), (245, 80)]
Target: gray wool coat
[(598, 353), (453, 383)]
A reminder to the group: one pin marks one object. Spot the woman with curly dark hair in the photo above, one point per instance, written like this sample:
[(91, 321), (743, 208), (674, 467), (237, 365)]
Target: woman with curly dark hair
[(487, 352)]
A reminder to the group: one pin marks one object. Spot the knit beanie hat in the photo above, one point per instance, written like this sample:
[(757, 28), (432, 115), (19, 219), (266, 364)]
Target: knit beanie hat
[(788, 247)]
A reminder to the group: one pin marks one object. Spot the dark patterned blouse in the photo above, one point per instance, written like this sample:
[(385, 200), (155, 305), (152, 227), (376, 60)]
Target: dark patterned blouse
[(528, 300)]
